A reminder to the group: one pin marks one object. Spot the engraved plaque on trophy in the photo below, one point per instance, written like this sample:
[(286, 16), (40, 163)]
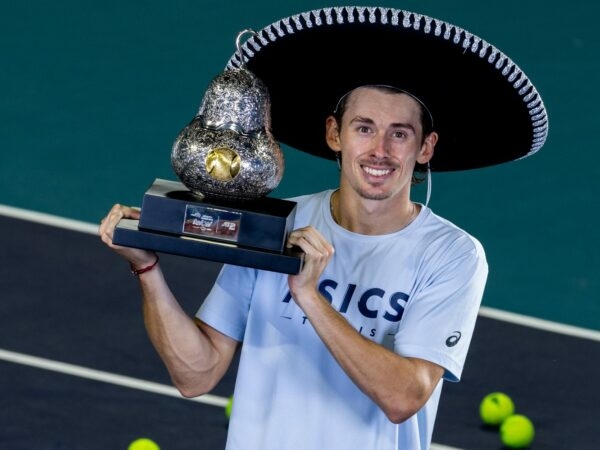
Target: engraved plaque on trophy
[(227, 162)]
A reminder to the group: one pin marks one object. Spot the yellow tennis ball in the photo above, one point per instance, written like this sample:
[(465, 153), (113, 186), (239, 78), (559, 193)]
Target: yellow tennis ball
[(496, 407), (228, 407), (143, 444), (517, 431)]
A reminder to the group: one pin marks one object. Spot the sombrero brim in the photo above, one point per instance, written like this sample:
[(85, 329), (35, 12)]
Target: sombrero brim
[(484, 107)]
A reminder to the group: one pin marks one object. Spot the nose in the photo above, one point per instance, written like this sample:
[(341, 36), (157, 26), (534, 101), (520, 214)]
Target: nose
[(380, 146)]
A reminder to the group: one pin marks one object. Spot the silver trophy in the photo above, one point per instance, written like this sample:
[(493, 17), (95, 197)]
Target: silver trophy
[(227, 151), (227, 162)]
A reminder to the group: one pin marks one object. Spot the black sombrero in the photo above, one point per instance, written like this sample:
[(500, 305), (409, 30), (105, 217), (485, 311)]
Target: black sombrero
[(484, 107)]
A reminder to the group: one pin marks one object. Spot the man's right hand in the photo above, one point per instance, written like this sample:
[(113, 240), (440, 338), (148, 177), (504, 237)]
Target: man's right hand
[(136, 257)]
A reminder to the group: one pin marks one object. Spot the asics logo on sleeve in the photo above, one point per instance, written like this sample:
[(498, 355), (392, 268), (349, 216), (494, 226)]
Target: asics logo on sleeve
[(453, 339)]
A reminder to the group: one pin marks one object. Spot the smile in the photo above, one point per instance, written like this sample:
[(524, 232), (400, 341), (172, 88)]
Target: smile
[(377, 172)]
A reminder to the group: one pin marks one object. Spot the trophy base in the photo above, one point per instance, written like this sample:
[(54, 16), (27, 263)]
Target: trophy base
[(128, 234), (265, 223), (249, 233)]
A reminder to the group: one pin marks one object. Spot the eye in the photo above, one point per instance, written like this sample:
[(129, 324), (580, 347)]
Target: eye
[(399, 134), (363, 129)]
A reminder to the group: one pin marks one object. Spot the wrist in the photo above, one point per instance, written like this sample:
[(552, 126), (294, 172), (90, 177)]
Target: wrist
[(137, 271)]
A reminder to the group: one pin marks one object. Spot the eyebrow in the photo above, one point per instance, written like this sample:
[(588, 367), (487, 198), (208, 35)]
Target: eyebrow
[(393, 125)]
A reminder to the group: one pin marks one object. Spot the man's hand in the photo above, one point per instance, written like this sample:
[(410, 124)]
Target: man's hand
[(318, 252), (137, 257)]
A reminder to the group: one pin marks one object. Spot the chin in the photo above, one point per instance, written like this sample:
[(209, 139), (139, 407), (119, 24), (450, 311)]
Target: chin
[(374, 195)]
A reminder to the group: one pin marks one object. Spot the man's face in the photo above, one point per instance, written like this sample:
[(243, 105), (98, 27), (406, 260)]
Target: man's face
[(380, 140)]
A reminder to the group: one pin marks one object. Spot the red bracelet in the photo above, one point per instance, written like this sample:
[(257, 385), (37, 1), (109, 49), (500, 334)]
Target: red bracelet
[(138, 272)]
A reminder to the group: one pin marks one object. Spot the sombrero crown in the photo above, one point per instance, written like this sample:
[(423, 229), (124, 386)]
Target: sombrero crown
[(484, 107)]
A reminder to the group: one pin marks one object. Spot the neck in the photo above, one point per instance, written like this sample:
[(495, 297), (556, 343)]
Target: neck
[(372, 217)]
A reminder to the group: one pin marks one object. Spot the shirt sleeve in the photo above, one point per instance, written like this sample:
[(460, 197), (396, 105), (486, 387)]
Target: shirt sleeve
[(439, 318), (227, 304)]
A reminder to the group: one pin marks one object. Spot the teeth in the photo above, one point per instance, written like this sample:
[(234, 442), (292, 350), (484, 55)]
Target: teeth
[(376, 172)]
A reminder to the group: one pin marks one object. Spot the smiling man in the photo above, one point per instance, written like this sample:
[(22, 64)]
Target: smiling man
[(352, 352), (384, 138), (400, 257), (355, 352)]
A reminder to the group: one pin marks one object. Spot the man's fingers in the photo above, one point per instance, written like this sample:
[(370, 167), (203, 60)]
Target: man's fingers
[(137, 257), (114, 216), (311, 242)]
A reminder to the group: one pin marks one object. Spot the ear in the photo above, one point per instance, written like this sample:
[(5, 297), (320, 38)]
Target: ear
[(427, 149), (332, 134)]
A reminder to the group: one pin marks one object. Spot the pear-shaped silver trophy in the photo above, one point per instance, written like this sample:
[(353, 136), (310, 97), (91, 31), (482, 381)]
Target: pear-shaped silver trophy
[(227, 163), (227, 151)]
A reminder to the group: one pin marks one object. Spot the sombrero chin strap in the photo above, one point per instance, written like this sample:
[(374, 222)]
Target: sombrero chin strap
[(428, 185)]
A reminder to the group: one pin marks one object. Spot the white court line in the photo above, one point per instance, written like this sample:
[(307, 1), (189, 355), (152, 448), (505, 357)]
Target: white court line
[(106, 377), (541, 324), (505, 316), (48, 219)]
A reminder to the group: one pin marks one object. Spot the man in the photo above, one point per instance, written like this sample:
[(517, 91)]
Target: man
[(350, 352)]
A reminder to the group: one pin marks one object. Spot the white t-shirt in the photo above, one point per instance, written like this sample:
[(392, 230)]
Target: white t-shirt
[(416, 292)]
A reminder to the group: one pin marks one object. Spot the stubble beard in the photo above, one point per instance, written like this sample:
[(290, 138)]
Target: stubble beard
[(363, 193)]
